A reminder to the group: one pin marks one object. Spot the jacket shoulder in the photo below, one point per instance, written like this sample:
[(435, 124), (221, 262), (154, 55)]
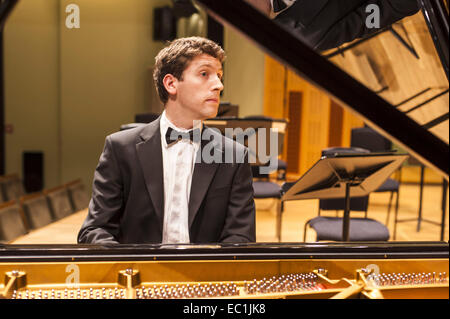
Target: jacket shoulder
[(134, 135)]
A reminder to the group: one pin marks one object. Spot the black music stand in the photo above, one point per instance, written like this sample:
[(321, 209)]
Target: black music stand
[(340, 175)]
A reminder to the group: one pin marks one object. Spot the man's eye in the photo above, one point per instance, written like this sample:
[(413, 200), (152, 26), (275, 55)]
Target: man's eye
[(203, 73)]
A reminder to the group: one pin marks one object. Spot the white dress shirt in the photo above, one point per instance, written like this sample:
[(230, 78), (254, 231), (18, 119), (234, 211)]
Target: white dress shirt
[(178, 167)]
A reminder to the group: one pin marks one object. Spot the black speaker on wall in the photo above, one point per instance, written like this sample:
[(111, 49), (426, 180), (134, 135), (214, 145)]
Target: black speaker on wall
[(164, 24), (33, 171)]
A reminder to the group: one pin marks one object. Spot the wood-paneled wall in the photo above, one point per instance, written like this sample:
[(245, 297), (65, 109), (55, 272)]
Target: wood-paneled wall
[(315, 121)]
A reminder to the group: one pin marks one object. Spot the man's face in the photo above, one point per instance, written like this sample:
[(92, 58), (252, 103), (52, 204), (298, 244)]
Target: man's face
[(198, 93)]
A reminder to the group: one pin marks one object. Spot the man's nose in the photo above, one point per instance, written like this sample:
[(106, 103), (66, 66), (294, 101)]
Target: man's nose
[(218, 85)]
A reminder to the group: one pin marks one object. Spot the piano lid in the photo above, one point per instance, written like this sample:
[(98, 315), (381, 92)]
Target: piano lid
[(6, 7), (394, 77)]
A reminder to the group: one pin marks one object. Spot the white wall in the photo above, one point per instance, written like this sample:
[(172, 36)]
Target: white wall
[(105, 76), (66, 89), (244, 74), (31, 65)]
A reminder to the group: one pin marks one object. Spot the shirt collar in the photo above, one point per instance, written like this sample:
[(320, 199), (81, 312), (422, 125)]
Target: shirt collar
[(165, 123)]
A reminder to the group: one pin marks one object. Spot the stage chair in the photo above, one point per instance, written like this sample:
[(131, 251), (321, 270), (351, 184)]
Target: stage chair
[(282, 170), (12, 223), (368, 138), (2, 199), (330, 228), (78, 195), (263, 188), (361, 229), (12, 187), (59, 202), (36, 210)]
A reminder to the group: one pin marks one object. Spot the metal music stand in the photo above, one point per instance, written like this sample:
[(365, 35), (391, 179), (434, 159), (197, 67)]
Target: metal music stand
[(340, 175)]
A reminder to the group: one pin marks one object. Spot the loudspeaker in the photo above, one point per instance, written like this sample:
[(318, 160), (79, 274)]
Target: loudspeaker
[(164, 24), (33, 171)]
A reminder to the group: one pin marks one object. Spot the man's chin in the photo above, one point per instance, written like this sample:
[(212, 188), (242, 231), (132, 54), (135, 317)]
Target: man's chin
[(211, 111)]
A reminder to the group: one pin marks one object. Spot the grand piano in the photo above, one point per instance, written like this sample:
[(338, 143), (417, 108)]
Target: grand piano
[(276, 270)]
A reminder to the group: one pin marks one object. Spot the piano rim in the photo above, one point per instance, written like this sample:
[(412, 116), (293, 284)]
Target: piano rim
[(254, 251)]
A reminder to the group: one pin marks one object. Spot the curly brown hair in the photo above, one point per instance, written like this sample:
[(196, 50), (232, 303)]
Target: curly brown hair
[(175, 58)]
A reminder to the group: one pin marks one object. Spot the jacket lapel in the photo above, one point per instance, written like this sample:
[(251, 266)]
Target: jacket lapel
[(150, 158), (201, 179)]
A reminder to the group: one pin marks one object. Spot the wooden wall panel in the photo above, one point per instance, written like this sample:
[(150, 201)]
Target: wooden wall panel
[(312, 124), (336, 121), (294, 141), (314, 127), (349, 122), (274, 89)]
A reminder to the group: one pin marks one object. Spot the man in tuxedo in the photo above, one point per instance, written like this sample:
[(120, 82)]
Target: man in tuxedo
[(156, 184), (327, 24)]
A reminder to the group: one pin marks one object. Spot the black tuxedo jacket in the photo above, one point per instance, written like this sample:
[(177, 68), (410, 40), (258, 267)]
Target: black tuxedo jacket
[(327, 24), (127, 204)]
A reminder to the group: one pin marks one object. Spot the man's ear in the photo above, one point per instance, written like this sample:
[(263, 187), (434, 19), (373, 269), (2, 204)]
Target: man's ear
[(170, 83)]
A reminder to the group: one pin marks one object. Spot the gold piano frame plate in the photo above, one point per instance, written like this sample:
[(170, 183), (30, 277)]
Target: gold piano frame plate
[(339, 278)]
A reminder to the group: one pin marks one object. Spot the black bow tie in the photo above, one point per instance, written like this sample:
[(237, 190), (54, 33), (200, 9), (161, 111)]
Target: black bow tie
[(173, 136)]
